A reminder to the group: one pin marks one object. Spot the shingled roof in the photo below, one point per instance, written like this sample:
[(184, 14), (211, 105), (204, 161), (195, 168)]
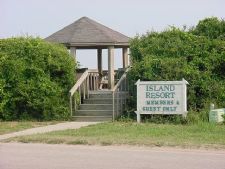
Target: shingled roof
[(87, 32)]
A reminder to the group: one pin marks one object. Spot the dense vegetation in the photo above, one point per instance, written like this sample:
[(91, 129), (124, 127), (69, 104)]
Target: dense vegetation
[(35, 77), (212, 28), (198, 55)]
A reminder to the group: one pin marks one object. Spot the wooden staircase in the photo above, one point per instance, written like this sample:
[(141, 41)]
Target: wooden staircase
[(89, 103), (98, 107)]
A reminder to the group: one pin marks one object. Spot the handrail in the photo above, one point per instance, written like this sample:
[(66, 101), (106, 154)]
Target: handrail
[(88, 81), (121, 79), (120, 90), (79, 83)]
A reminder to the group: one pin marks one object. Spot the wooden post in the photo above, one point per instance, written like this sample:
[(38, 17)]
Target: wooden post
[(71, 105), (111, 67), (138, 117), (100, 61), (99, 67), (90, 81), (80, 94), (125, 57), (73, 52), (84, 89), (94, 81), (98, 81), (88, 86), (121, 102), (113, 94), (75, 103), (118, 102)]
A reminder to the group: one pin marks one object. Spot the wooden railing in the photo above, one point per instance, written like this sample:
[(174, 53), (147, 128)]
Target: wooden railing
[(88, 81), (120, 94), (93, 79)]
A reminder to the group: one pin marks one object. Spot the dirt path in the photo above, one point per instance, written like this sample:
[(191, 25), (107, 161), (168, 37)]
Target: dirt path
[(49, 128)]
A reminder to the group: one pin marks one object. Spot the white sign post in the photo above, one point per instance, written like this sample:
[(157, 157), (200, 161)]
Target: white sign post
[(161, 97)]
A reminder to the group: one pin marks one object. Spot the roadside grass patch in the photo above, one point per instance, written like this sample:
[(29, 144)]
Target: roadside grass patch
[(13, 126), (148, 134)]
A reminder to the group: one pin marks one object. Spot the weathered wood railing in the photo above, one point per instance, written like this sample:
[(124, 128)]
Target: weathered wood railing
[(93, 79), (88, 81), (120, 94)]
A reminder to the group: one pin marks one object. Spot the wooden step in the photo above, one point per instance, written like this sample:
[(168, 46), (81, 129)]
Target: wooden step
[(95, 107), (98, 107), (93, 113), (92, 118), (98, 101), (100, 94)]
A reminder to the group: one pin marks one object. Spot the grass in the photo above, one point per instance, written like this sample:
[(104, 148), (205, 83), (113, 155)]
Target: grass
[(9, 127), (148, 134)]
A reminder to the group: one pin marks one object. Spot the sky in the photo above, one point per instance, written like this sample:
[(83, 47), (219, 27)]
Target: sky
[(130, 17)]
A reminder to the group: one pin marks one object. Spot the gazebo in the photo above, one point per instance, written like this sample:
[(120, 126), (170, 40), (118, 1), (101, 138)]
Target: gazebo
[(86, 33), (95, 104)]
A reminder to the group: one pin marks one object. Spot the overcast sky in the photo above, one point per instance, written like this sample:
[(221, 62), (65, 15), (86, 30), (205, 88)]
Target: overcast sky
[(44, 17)]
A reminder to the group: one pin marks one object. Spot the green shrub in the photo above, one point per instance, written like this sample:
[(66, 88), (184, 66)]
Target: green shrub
[(164, 119), (35, 77), (194, 117), (175, 54), (210, 27), (223, 118)]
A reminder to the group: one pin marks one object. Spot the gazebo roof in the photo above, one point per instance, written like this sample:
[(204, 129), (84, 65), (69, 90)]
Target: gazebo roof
[(87, 33)]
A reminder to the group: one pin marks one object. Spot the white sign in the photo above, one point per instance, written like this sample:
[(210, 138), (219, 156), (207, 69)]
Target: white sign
[(161, 97)]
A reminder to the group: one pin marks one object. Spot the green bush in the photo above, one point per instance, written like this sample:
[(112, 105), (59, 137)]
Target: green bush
[(223, 118), (175, 54), (210, 27), (35, 77)]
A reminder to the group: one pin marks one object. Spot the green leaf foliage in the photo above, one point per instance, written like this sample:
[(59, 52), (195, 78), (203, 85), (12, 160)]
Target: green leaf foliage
[(35, 77), (212, 28), (175, 54)]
